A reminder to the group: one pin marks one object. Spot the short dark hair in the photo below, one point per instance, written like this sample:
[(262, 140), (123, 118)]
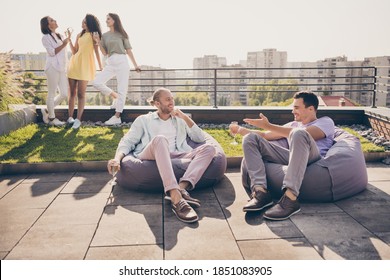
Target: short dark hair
[(309, 98)]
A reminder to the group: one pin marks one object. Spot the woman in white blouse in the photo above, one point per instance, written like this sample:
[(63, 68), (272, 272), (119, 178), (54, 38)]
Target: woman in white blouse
[(55, 69)]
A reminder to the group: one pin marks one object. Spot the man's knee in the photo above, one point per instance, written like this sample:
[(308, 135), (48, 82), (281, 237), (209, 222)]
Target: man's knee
[(251, 138), (160, 140), (209, 149), (298, 134)]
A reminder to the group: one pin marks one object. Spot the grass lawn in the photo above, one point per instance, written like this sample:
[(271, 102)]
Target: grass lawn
[(41, 143)]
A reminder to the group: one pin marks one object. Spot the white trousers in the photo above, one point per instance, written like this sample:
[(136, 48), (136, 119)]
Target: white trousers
[(116, 65), (55, 80)]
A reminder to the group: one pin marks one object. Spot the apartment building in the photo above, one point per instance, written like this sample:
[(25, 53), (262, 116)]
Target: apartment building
[(383, 72), (337, 76), (204, 78), (330, 76), (143, 84), (304, 73), (267, 58), (232, 85), (31, 61)]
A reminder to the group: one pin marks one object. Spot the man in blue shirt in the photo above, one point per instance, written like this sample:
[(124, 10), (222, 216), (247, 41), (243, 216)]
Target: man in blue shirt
[(161, 136)]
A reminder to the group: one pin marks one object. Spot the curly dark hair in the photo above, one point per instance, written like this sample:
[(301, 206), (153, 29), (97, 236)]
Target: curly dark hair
[(118, 25), (93, 25)]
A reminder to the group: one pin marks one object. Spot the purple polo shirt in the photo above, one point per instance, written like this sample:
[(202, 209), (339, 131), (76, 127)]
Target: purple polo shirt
[(326, 124)]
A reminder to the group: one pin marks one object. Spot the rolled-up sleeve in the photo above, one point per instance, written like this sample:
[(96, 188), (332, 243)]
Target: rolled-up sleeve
[(195, 133), (131, 138), (48, 45), (126, 44)]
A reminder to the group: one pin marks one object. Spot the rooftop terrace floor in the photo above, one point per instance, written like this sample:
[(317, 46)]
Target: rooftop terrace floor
[(80, 215)]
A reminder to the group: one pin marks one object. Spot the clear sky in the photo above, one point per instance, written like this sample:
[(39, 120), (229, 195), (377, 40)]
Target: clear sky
[(170, 33)]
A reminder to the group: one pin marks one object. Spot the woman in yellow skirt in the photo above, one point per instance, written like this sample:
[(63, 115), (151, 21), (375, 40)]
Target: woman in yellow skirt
[(82, 66)]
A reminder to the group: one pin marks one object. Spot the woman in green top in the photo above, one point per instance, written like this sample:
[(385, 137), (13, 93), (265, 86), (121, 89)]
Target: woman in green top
[(115, 44)]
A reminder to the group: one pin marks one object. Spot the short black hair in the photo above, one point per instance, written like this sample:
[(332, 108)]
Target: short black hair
[(309, 98)]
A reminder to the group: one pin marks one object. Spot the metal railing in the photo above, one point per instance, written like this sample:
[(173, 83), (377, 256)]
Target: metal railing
[(238, 86), (382, 85)]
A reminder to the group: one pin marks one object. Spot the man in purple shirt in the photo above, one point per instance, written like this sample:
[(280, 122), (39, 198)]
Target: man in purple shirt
[(308, 139)]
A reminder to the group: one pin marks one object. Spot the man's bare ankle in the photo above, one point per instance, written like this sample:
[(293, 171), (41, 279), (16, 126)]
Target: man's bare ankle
[(290, 195), (183, 185), (175, 196)]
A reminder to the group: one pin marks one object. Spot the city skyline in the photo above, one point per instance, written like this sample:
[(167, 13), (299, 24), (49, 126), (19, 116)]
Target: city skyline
[(171, 33)]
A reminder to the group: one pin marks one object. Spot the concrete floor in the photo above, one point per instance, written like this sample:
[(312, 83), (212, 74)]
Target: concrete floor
[(80, 215)]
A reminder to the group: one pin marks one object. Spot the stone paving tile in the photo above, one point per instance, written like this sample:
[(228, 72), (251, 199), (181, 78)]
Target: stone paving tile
[(8, 182), (384, 236), (337, 236), (138, 252), (49, 177), (130, 225), (318, 208), (370, 213), (278, 249), (378, 172), (381, 188), (2, 255), (122, 196), (249, 225), (31, 195), (209, 238), (54, 243), (73, 209), (64, 215), (88, 185), (101, 175), (14, 224)]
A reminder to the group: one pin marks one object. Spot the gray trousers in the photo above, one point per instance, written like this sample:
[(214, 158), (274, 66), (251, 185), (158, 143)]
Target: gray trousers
[(302, 151)]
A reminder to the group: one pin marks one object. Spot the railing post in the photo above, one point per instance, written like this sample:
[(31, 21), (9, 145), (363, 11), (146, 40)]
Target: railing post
[(374, 89), (215, 89)]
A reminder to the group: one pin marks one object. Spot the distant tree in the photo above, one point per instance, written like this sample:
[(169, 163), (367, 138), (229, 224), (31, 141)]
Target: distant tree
[(133, 102), (97, 99), (192, 99), (223, 101), (276, 92)]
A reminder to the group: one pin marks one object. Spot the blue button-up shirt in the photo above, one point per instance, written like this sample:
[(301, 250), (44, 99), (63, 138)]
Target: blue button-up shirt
[(141, 133)]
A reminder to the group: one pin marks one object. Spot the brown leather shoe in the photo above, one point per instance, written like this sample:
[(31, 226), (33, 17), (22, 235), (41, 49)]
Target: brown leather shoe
[(192, 201), (184, 212), (259, 200), (283, 210)]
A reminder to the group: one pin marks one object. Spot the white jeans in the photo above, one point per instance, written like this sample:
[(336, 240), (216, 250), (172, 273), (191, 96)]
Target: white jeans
[(116, 65), (55, 79)]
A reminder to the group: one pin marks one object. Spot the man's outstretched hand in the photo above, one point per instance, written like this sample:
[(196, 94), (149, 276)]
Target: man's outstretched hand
[(262, 122)]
